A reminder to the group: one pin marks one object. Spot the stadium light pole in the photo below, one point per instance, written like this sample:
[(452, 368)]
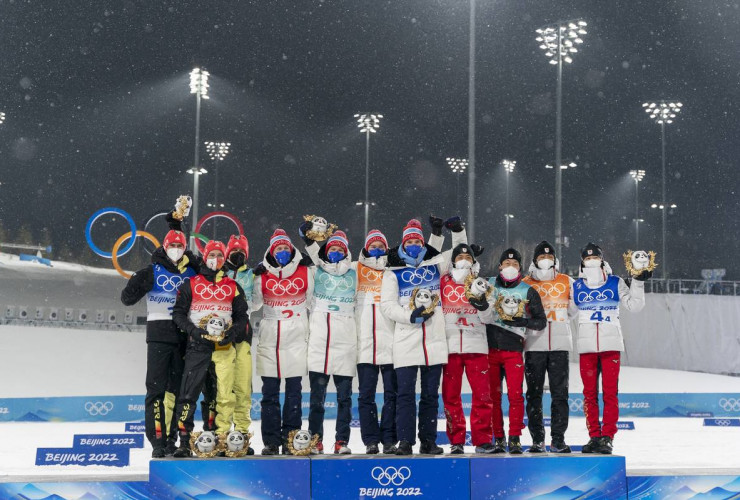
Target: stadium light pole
[(217, 151), (458, 166), (471, 125), (368, 123), (559, 42), (637, 175), (663, 112), (199, 87), (509, 166)]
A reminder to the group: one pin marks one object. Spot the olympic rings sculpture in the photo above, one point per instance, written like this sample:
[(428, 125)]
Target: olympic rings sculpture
[(117, 252), (226, 215)]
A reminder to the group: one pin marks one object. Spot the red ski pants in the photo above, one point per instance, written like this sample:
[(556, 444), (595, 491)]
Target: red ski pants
[(475, 367), (605, 364), (508, 364)]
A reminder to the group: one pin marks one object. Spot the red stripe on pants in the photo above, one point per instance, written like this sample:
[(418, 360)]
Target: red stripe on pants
[(476, 369), (607, 365), (512, 363)]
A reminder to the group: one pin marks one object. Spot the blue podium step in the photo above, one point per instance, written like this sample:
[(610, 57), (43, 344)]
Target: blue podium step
[(324, 477)]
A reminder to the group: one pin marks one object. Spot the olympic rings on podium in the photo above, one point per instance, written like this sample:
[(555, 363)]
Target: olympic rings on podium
[(226, 215), (94, 217), (118, 243)]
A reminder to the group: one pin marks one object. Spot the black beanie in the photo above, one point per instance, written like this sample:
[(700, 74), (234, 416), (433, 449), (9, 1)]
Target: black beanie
[(591, 250), (462, 248), (511, 253), (544, 248)]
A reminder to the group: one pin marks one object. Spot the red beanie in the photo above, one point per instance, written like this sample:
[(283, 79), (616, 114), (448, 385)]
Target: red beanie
[(279, 237), (339, 239), (411, 231), (238, 243), (214, 245), (174, 237), (373, 236)]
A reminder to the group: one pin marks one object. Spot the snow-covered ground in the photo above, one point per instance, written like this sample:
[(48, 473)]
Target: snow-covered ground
[(656, 446)]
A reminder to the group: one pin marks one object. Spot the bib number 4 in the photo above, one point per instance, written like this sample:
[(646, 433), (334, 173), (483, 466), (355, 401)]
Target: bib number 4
[(597, 316)]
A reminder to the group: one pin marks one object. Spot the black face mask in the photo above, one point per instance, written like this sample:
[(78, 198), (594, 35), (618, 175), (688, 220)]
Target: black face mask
[(237, 259)]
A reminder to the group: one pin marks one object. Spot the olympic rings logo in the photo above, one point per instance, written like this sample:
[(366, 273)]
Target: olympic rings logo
[(418, 276), (391, 475), (596, 295), (283, 287), (117, 252), (212, 292), (98, 408), (722, 422), (453, 293), (729, 404), (338, 283), (575, 405), (371, 274), (550, 290), (169, 283)]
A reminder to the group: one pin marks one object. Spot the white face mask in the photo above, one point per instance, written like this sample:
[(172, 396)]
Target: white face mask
[(463, 264), (175, 254), (509, 273), (545, 264), (592, 263), (459, 275), (212, 264)]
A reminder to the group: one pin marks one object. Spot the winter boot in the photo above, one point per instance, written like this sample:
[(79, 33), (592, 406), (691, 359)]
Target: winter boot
[(485, 448), (169, 450), (318, 449), (592, 446), (515, 446), (372, 449), (606, 445), (158, 452), (538, 447), (499, 446), (341, 448), (559, 446), (404, 448), (183, 451), (271, 449), (457, 449), (389, 449), (430, 448)]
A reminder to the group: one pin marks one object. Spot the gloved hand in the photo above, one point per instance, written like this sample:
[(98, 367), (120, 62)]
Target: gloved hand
[(418, 316), (437, 224), (229, 337), (480, 303), (303, 229), (260, 269), (198, 334), (477, 249), (518, 322), (644, 276), (454, 224), (172, 223)]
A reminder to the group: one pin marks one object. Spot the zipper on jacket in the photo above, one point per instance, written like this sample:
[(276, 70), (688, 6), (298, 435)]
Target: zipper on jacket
[(424, 343), (328, 340), (277, 350), (375, 340)]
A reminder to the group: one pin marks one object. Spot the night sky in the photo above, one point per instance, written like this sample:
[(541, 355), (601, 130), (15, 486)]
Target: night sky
[(99, 114)]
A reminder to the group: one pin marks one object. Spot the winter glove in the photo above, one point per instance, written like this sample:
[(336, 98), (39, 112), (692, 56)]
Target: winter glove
[(229, 337), (644, 276), (303, 229), (477, 250), (418, 316), (437, 225), (518, 322), (454, 224), (480, 303), (172, 223), (197, 335), (259, 270)]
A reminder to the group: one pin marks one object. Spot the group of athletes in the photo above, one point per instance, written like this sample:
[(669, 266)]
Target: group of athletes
[(395, 313)]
